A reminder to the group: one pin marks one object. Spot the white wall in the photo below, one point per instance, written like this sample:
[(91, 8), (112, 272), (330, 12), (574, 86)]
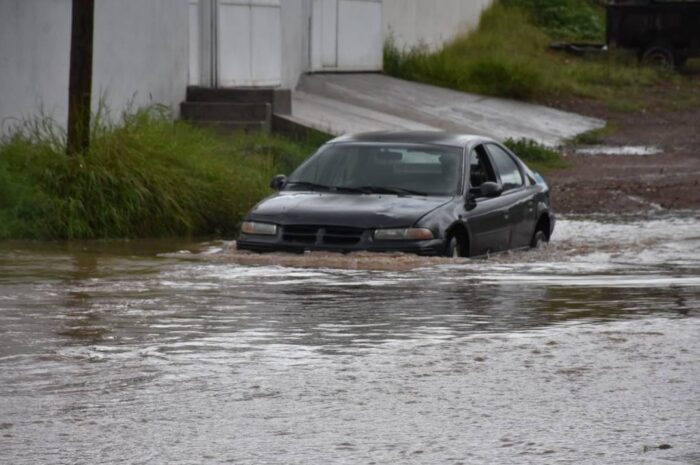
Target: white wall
[(141, 52), (34, 58), (322, 35), (140, 55), (413, 23), (296, 16)]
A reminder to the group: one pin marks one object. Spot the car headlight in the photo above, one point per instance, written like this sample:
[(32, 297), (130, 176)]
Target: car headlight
[(259, 229), (403, 234)]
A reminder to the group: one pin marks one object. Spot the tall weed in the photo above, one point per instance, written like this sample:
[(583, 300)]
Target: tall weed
[(145, 176)]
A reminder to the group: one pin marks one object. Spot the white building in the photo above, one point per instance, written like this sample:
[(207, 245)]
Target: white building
[(140, 55), (148, 51)]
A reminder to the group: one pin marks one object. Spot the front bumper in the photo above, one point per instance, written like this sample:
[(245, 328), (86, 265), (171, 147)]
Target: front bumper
[(320, 241)]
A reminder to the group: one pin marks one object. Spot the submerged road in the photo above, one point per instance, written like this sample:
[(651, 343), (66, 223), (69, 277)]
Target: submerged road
[(175, 353)]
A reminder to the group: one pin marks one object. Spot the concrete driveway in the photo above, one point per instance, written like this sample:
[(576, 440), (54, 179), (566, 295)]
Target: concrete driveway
[(358, 102)]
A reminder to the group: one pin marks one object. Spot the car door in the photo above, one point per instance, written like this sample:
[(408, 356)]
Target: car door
[(517, 196), (488, 217)]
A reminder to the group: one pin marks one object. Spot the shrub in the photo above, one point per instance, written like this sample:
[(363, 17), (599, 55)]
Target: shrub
[(565, 19), (506, 78)]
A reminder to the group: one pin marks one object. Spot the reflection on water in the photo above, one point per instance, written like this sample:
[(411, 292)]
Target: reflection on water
[(168, 352)]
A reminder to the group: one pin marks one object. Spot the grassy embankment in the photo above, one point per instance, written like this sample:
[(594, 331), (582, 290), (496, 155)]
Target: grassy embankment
[(508, 55), (143, 177)]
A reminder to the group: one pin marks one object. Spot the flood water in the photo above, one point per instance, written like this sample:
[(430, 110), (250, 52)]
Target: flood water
[(587, 352)]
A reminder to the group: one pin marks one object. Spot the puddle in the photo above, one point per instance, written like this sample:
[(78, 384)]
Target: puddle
[(612, 150)]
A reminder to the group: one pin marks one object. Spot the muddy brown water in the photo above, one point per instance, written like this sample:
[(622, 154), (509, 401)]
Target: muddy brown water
[(168, 352)]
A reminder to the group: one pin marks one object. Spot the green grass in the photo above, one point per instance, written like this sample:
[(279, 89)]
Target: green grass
[(537, 156), (143, 177), (508, 55), (594, 136)]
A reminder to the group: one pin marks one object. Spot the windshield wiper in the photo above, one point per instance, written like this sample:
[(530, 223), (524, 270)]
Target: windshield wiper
[(314, 186), (358, 190), (309, 185), (390, 190)]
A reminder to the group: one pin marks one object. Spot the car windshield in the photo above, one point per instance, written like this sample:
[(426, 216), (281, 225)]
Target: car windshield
[(382, 169)]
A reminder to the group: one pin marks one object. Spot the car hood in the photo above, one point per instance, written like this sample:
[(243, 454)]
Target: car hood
[(333, 209)]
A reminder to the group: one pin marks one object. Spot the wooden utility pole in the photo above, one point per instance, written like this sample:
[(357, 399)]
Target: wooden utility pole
[(80, 85)]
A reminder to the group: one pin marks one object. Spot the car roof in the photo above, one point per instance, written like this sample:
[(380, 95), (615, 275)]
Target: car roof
[(411, 137)]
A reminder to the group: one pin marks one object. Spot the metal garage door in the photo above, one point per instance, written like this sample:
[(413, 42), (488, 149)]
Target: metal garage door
[(346, 35)]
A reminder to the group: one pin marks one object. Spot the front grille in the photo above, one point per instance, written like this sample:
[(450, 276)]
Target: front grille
[(335, 235), (300, 234), (328, 235)]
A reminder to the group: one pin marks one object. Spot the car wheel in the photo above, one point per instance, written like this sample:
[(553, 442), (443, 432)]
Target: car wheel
[(453, 249), (659, 56), (539, 240)]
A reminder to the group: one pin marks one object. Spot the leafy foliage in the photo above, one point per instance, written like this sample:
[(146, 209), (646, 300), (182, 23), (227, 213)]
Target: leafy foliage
[(565, 19)]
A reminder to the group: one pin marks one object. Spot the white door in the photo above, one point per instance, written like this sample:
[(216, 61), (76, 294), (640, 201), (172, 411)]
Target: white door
[(249, 43), (346, 35), (235, 43)]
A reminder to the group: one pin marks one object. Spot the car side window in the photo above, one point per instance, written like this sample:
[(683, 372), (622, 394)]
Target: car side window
[(511, 177), (480, 169)]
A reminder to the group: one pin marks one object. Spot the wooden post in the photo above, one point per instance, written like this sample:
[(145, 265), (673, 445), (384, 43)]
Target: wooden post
[(80, 84)]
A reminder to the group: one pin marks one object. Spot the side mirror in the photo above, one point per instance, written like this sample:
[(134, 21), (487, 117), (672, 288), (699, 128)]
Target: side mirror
[(278, 182), (491, 189)]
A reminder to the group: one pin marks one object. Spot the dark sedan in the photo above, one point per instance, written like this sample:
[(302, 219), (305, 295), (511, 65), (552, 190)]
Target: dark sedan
[(429, 193)]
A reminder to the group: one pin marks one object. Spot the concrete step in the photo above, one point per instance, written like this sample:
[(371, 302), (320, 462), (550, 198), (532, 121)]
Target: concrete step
[(225, 111), (280, 99), (294, 127), (230, 127)]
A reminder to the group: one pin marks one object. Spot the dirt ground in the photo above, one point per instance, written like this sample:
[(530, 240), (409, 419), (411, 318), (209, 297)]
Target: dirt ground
[(634, 183)]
